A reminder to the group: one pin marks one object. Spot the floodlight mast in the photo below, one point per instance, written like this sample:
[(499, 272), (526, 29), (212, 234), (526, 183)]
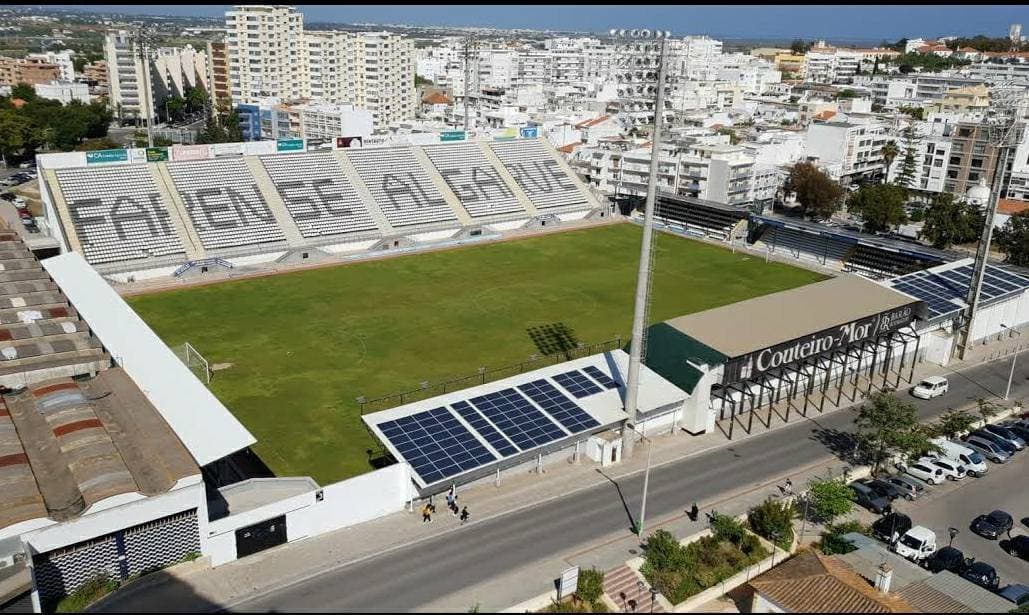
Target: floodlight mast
[(637, 349)]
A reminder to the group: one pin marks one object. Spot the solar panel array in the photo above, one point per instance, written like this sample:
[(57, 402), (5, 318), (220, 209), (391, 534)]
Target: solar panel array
[(939, 289), (510, 421), (604, 380), (436, 444), (577, 384), (566, 411)]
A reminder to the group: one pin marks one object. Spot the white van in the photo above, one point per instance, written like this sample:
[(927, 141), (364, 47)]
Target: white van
[(916, 544), (971, 459)]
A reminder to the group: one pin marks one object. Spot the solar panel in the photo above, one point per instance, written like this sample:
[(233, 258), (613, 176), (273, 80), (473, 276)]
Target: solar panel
[(566, 411), (604, 380), (487, 431), (577, 384), (517, 419), (436, 444)]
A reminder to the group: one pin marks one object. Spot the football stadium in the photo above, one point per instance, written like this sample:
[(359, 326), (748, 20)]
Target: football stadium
[(366, 327)]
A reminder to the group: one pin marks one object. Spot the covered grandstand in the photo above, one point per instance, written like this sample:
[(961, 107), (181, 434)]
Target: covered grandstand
[(699, 217), (844, 250), (136, 214)]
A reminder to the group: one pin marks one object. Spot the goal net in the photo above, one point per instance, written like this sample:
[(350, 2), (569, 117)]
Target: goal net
[(194, 361)]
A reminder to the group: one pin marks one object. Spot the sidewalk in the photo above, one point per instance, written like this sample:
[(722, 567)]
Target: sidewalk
[(274, 569)]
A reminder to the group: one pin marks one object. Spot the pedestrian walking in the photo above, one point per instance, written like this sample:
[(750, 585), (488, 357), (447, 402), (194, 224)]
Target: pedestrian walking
[(464, 515), (789, 487), (427, 513), (694, 512)]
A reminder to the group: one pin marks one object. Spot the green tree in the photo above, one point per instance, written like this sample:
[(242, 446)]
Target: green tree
[(772, 518), (819, 196), (833, 541), (986, 409), (91, 145), (196, 99), (419, 80), (1013, 239), (799, 47), (889, 153), (175, 108), (881, 206), (23, 91), (590, 586), (829, 498), (733, 138), (906, 176), (949, 221), (888, 426), (915, 113), (953, 423), (15, 133), (847, 93)]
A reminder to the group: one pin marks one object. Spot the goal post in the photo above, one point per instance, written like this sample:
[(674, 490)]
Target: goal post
[(195, 361)]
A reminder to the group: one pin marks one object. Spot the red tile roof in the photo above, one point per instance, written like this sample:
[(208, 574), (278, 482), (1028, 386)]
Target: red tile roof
[(437, 98), (593, 122), (825, 115), (568, 149), (1011, 206)]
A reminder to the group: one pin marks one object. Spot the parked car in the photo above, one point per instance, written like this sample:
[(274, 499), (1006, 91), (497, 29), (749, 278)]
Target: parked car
[(1007, 434), (865, 496), (1017, 594), (987, 449), (1009, 447), (884, 488), (8, 196), (28, 164), (974, 463), (947, 558), (926, 472), (982, 574), (907, 485), (916, 544), (890, 527), (931, 387), (952, 470), (992, 525), (1019, 428), (1018, 546)]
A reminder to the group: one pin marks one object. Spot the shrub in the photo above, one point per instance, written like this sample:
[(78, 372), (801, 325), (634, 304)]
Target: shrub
[(771, 517), (591, 585), (834, 543), (727, 528), (88, 593)]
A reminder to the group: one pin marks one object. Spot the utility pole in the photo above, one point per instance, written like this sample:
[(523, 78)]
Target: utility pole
[(643, 279), (468, 44)]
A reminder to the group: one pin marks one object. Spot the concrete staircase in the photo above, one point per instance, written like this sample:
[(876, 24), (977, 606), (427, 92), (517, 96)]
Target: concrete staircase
[(624, 581)]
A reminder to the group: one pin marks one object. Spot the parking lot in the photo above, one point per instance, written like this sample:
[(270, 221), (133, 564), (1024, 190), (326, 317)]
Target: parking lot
[(955, 504)]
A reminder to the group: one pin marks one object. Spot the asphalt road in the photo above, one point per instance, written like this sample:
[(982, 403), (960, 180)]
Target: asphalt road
[(955, 504), (406, 578)]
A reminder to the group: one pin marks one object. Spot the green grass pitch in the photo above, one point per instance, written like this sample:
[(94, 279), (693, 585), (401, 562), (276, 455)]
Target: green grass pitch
[(304, 345)]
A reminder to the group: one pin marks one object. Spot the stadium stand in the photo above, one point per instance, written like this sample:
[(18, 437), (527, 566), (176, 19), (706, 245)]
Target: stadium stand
[(318, 195), (473, 179), (824, 250), (698, 216), (224, 203), (118, 213), (538, 174), (879, 263), (400, 187), (41, 335)]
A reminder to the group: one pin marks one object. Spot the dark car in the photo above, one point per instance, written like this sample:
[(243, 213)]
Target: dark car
[(863, 495), (8, 196), (1017, 594), (992, 525), (890, 527), (1017, 546), (1019, 429), (982, 574), (885, 489), (1003, 443), (947, 558)]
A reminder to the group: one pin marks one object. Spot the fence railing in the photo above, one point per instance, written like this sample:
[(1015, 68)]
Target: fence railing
[(484, 375)]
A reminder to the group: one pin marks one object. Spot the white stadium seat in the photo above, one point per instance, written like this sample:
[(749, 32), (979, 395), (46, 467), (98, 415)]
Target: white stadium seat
[(400, 187), (117, 213), (224, 203), (319, 197), (538, 175), (473, 179)]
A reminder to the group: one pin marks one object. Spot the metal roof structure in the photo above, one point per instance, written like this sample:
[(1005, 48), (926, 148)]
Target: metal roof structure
[(945, 287), (469, 432), (203, 424)]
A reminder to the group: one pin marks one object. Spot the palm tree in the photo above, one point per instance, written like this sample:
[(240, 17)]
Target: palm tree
[(889, 151)]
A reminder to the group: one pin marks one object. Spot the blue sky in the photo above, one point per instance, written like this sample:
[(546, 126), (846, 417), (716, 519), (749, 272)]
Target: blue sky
[(759, 21)]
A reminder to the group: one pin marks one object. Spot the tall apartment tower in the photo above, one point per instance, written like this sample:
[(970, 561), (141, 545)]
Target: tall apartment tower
[(265, 45), (1015, 32), (125, 75), (384, 77)]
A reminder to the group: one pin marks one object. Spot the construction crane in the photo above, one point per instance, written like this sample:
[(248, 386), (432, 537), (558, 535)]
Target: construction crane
[(1003, 131)]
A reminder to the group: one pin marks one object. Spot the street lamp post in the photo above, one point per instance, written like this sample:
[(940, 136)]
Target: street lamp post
[(1014, 357), (953, 531), (646, 483)]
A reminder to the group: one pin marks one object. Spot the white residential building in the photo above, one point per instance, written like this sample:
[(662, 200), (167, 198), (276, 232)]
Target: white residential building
[(848, 147), (126, 79), (64, 91), (328, 121), (266, 52)]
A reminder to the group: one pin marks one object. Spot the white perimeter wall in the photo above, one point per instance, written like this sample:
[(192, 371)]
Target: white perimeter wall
[(1013, 313), (346, 503)]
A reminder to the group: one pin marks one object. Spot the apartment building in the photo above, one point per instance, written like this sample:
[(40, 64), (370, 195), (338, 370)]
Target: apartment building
[(27, 70), (220, 86), (848, 146), (893, 91), (384, 77), (166, 71), (953, 154), (96, 73), (265, 51), (63, 60), (824, 64), (63, 91)]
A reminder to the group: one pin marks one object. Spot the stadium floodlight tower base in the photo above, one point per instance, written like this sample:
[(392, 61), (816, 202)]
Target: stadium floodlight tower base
[(652, 41)]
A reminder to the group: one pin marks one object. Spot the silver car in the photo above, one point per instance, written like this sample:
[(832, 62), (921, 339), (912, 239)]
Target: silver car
[(910, 487), (987, 449)]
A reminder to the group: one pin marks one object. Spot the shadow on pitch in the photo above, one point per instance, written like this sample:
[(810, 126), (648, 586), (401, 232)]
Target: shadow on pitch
[(554, 338)]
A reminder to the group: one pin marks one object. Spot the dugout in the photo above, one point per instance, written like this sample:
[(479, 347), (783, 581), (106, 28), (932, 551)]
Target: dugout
[(787, 351)]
